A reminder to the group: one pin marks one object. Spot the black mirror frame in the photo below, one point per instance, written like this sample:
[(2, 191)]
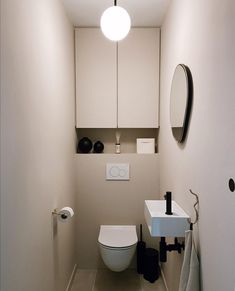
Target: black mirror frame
[(188, 108)]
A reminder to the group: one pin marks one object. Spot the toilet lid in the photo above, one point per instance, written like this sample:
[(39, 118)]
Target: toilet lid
[(118, 236)]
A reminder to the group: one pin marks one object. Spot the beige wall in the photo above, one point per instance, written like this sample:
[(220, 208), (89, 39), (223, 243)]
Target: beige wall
[(37, 145), (201, 35), (111, 202)]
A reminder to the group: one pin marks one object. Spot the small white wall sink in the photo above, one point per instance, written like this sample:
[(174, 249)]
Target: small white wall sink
[(161, 224)]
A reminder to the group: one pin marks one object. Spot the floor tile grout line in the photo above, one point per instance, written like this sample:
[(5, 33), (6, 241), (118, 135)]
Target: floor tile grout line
[(141, 285), (93, 287)]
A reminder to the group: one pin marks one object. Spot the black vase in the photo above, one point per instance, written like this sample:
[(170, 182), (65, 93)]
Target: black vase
[(85, 145), (98, 147)]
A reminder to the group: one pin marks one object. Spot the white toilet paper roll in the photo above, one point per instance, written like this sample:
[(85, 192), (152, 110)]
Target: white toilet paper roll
[(65, 214)]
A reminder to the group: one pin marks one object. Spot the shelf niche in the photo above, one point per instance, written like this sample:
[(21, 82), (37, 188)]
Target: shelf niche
[(108, 137)]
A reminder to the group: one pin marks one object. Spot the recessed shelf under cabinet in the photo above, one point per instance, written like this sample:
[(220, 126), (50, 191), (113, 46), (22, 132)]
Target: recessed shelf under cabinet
[(108, 137)]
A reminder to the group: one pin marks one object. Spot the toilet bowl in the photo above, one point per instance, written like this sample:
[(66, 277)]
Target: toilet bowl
[(117, 245)]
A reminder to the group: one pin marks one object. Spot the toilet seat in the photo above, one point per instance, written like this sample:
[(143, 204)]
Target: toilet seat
[(117, 236), (116, 248)]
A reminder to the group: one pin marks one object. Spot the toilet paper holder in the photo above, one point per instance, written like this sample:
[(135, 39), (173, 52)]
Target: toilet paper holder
[(62, 215)]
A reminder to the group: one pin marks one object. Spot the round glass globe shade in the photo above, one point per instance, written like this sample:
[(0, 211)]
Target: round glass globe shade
[(115, 23)]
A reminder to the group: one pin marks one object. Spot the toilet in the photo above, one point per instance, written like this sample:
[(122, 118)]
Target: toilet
[(117, 245)]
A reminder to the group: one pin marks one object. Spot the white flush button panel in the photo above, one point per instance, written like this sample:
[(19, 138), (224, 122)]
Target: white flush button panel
[(117, 172)]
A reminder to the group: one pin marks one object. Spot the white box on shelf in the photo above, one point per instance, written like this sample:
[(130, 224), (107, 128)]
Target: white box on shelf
[(145, 145)]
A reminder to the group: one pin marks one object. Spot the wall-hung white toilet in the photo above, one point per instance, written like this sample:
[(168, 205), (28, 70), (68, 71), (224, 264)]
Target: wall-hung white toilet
[(117, 245)]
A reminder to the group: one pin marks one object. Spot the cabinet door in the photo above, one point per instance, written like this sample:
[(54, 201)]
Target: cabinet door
[(96, 79), (138, 79)]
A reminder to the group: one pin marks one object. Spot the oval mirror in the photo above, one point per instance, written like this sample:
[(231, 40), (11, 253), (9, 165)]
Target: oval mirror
[(180, 102)]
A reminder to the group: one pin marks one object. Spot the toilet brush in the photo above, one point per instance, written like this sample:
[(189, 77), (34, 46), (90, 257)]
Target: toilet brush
[(141, 246)]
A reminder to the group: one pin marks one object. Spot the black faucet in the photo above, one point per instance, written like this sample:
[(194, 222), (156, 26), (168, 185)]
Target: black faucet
[(168, 203)]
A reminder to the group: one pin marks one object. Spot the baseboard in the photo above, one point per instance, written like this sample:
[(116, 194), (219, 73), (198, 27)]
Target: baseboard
[(164, 279), (71, 278)]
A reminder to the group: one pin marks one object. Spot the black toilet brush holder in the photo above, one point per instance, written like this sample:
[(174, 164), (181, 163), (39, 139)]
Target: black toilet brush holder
[(141, 246), (151, 267)]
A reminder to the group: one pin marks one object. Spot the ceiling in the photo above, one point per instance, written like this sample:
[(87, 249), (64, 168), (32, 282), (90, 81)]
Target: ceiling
[(142, 12)]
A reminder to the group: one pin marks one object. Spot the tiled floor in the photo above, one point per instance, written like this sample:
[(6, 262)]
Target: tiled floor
[(105, 280)]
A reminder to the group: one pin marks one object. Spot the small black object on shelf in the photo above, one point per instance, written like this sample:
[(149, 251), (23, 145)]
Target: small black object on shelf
[(84, 145), (141, 246), (151, 267), (98, 147)]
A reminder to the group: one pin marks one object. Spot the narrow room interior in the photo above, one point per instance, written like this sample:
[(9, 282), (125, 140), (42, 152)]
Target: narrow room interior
[(117, 147)]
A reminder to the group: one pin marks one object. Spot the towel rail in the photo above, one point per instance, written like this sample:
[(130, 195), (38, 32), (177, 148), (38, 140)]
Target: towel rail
[(196, 210)]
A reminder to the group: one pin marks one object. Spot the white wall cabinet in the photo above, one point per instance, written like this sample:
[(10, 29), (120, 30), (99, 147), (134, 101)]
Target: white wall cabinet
[(96, 80), (117, 85), (138, 79)]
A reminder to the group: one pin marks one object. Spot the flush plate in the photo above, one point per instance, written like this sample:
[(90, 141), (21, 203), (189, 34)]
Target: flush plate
[(117, 172), (161, 224)]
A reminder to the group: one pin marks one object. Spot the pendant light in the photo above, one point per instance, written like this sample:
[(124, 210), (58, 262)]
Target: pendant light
[(115, 22)]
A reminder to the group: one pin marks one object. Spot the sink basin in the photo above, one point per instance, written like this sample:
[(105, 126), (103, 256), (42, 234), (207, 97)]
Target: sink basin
[(160, 224)]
